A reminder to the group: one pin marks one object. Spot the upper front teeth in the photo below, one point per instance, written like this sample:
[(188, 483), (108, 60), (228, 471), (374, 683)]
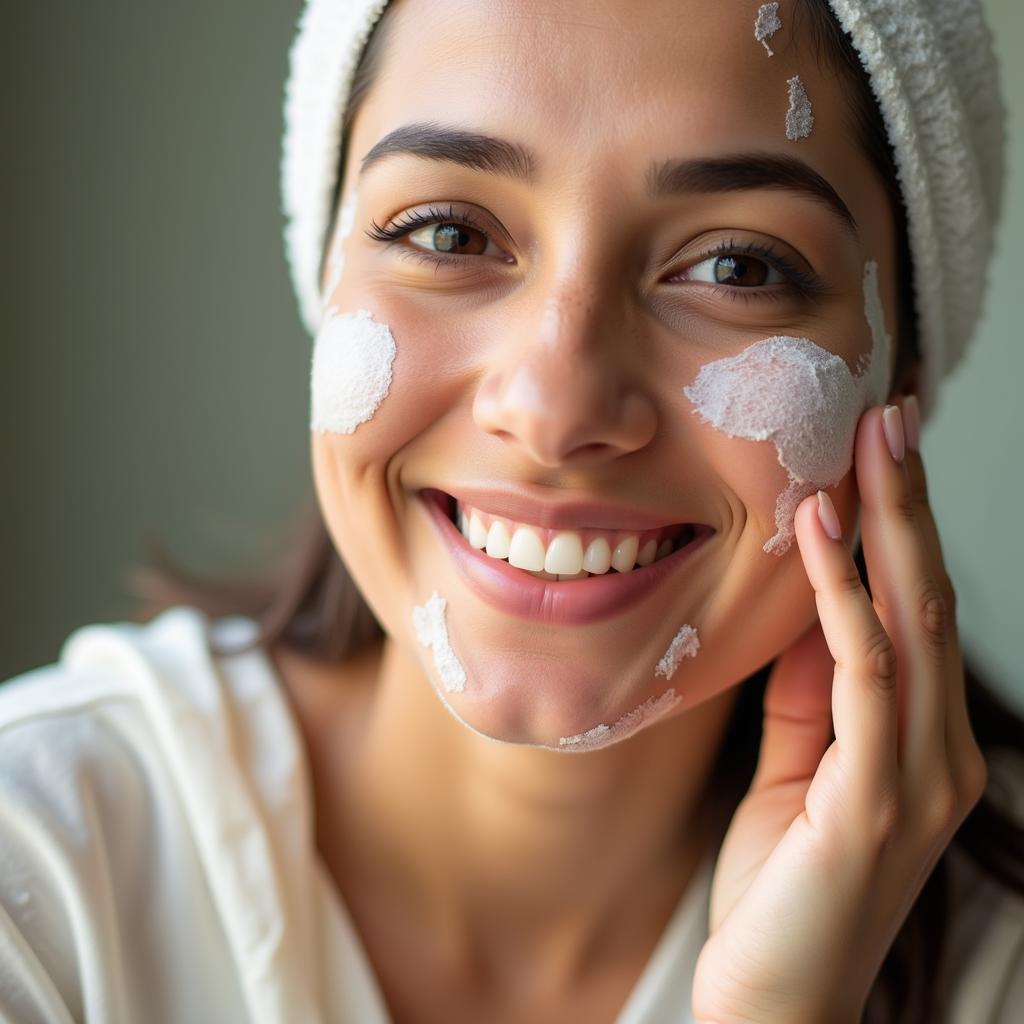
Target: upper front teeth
[(565, 555), (526, 551), (497, 540)]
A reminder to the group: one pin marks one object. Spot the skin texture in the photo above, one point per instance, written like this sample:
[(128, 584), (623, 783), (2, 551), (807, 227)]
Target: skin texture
[(504, 882)]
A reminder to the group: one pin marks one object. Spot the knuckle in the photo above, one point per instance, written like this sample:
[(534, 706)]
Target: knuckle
[(903, 508), (933, 615), (849, 581), (887, 818), (948, 592), (880, 661), (941, 808), (885, 821)]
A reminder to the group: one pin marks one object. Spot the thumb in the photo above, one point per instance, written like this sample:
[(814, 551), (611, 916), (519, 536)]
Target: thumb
[(797, 712)]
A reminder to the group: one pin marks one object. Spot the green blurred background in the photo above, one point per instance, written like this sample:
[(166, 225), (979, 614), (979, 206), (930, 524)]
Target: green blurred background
[(155, 372)]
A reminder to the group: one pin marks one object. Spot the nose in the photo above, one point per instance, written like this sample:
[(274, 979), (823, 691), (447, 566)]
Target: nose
[(570, 395)]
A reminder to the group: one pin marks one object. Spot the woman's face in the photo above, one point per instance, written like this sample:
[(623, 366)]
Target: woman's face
[(547, 315)]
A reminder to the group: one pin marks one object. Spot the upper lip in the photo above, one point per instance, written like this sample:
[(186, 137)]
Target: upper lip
[(559, 513)]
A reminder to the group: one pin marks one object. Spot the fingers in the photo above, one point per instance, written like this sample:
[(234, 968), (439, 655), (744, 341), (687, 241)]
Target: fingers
[(903, 568), (864, 692), (959, 735), (797, 713)]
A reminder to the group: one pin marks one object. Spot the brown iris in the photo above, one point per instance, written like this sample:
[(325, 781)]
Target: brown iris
[(452, 237), (740, 270)]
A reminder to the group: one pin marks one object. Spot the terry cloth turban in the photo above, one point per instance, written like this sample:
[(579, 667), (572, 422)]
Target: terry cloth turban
[(933, 73)]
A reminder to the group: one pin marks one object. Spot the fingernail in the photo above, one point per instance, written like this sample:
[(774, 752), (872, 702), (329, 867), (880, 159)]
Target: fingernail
[(912, 422), (892, 427), (828, 517)]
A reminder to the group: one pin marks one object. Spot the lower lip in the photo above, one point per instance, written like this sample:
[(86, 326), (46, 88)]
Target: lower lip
[(562, 603)]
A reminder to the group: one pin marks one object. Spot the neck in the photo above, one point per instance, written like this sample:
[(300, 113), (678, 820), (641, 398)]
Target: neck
[(515, 853)]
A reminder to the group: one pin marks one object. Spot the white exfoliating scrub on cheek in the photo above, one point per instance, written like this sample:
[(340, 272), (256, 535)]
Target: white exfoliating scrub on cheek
[(803, 399), (431, 631), (346, 220), (605, 735), (685, 644), (799, 117), (767, 25), (351, 372)]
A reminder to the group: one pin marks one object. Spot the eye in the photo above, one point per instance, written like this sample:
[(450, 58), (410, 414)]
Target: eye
[(437, 235), (452, 238), (734, 267), (737, 271)]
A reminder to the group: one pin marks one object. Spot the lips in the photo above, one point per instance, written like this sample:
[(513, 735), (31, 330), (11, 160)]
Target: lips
[(560, 603)]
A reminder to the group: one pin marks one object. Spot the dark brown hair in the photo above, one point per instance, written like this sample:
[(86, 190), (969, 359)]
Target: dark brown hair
[(309, 601)]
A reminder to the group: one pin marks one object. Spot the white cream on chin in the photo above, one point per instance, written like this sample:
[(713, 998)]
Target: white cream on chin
[(431, 631), (351, 371), (803, 399), (685, 644), (605, 735)]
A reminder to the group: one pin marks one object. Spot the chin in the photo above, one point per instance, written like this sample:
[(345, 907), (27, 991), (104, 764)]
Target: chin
[(532, 699)]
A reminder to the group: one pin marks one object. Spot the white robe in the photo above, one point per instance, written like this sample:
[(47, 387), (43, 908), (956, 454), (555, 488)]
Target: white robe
[(158, 864)]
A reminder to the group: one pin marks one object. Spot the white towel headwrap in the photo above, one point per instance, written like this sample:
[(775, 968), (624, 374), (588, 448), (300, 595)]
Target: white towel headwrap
[(932, 70)]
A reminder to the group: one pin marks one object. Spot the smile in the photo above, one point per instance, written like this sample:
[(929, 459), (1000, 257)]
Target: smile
[(553, 574), (567, 554)]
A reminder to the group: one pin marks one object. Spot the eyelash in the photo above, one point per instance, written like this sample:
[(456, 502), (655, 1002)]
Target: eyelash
[(806, 283)]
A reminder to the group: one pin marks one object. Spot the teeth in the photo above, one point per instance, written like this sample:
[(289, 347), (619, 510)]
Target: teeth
[(526, 550), (477, 533), (565, 558), (564, 555), (624, 555), (498, 540), (598, 558)]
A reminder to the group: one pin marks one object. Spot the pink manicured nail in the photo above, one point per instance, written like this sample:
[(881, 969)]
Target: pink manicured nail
[(892, 427), (828, 517), (912, 422)]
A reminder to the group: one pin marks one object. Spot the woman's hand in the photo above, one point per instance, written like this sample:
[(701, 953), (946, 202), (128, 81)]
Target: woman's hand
[(835, 839)]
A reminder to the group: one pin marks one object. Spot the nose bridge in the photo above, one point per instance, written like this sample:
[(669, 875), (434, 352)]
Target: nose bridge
[(561, 388)]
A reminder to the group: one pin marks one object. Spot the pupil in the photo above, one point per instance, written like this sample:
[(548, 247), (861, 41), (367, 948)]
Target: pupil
[(737, 270), (448, 237)]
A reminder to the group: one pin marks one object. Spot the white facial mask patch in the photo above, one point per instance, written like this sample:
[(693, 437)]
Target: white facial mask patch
[(685, 644), (799, 117), (604, 735), (346, 220), (432, 632), (351, 372), (803, 399), (767, 25)]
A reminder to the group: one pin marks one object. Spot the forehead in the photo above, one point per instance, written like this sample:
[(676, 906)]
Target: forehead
[(607, 85)]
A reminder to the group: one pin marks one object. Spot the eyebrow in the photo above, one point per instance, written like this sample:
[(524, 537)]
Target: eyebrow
[(735, 172)]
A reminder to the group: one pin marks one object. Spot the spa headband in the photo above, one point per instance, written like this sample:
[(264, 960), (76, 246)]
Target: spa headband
[(933, 73)]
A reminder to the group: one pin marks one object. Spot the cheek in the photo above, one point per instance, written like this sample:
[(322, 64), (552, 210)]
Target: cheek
[(802, 398), (377, 381)]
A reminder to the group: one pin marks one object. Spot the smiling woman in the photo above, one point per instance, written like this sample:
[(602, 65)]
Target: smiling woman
[(575, 703)]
